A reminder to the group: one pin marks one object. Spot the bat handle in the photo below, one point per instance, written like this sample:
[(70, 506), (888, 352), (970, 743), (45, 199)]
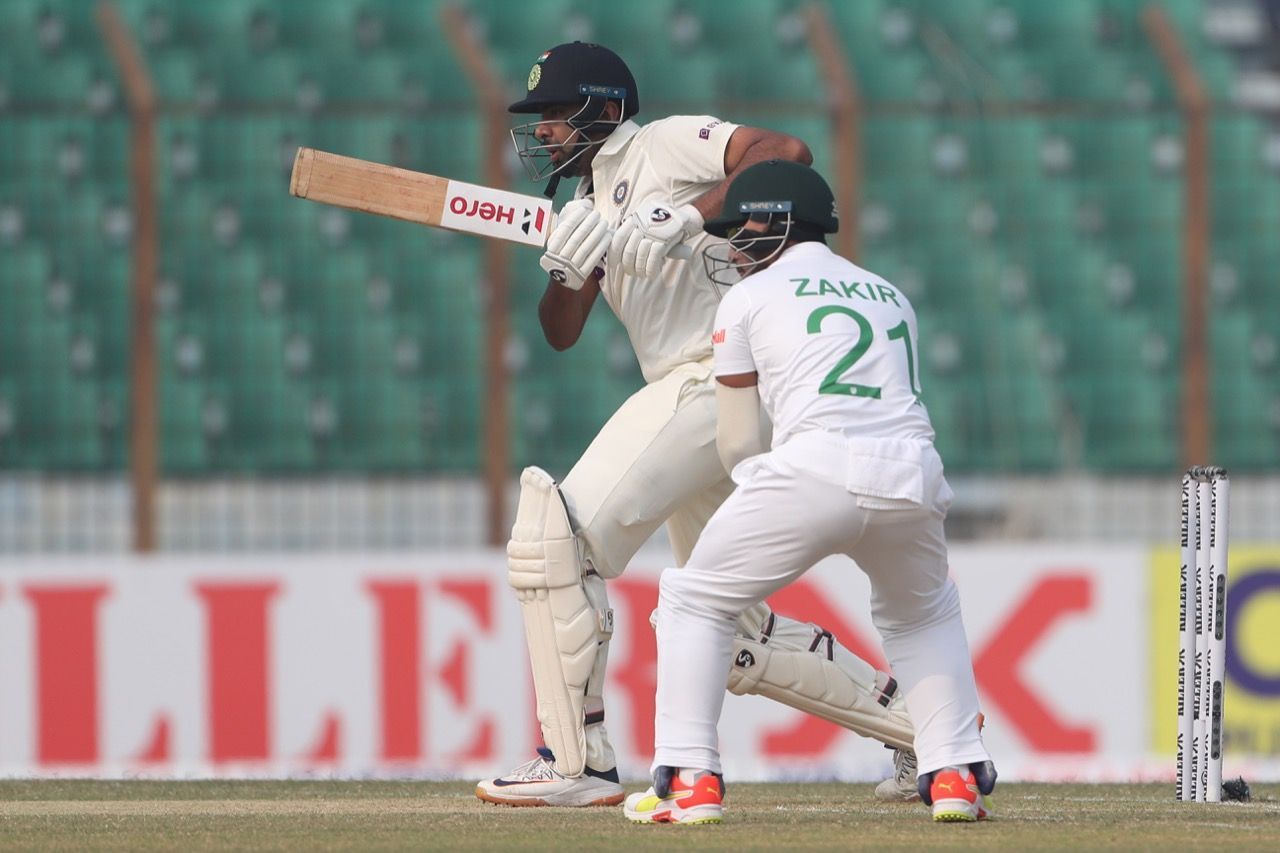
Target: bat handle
[(681, 251)]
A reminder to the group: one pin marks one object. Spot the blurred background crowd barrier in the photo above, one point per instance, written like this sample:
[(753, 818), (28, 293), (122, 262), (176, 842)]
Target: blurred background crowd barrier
[(1082, 199)]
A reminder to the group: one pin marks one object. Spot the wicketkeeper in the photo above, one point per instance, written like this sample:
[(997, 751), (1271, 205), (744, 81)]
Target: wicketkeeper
[(830, 349)]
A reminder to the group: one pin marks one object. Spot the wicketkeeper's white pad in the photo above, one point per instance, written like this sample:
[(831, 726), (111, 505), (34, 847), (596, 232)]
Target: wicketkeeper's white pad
[(562, 627), (803, 666)]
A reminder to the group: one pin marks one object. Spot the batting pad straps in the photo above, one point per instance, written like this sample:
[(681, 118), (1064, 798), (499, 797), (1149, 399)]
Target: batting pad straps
[(803, 666)]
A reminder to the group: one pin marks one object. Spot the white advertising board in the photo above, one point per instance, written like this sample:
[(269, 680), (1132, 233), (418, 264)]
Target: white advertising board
[(413, 664)]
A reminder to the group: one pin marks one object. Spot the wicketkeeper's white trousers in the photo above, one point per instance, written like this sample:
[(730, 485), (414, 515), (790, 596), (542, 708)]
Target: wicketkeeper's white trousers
[(788, 513)]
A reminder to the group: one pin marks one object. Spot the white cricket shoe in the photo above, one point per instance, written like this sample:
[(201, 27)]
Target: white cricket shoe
[(537, 783), (901, 787)]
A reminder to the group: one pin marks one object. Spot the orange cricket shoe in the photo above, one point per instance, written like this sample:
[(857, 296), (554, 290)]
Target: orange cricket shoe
[(687, 797), (954, 796)]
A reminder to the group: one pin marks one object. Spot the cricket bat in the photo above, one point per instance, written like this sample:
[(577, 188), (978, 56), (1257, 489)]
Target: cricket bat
[(426, 199)]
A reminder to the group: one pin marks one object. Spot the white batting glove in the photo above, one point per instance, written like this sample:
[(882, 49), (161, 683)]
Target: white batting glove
[(577, 243), (649, 234)]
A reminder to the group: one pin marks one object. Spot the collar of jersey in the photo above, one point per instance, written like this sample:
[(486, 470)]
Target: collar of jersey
[(618, 139), (801, 251)]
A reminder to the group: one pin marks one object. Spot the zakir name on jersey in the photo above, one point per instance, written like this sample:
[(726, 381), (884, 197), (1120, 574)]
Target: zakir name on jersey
[(822, 287)]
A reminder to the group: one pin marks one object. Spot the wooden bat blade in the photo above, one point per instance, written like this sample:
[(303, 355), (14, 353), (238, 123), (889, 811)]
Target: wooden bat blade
[(419, 197), (368, 187)]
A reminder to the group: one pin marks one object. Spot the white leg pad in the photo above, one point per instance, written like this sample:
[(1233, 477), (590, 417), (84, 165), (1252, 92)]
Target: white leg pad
[(803, 666), (563, 629)]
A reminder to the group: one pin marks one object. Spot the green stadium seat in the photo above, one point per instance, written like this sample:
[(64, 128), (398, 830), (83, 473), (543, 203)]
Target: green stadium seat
[(54, 409), (452, 412), (268, 411), (102, 287), (792, 79), (958, 411), (1067, 281), (527, 27), (24, 273), (449, 144), (176, 75), (58, 424), (1126, 410), (270, 428), (380, 426), (964, 21), (42, 82), (677, 83), (183, 449), (618, 24), (202, 24), (751, 31), (1048, 25), (1026, 412), (364, 80), (318, 26), (898, 77), (1244, 432), (246, 78), (1231, 335), (1007, 150)]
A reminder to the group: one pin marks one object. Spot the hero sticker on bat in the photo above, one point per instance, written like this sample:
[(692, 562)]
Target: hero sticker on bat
[(496, 213)]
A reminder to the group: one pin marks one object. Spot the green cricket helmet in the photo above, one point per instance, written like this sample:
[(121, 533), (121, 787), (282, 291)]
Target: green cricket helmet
[(791, 201)]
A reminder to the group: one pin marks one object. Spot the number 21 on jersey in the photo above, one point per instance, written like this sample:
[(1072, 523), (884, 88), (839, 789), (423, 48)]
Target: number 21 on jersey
[(832, 382)]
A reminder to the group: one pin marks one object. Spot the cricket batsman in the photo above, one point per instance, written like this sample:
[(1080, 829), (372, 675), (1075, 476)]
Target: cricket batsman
[(829, 348), (641, 191)]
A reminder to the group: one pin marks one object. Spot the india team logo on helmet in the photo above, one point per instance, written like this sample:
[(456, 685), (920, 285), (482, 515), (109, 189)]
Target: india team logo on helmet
[(535, 73)]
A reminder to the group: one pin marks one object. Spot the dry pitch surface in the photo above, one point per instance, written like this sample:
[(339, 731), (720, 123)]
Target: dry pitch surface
[(82, 815)]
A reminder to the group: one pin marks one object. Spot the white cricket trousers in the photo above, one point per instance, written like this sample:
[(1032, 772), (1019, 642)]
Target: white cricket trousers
[(780, 521)]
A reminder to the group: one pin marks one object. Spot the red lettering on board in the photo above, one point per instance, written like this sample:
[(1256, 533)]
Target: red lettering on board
[(400, 667), (66, 641), (996, 668), (237, 652), (457, 673)]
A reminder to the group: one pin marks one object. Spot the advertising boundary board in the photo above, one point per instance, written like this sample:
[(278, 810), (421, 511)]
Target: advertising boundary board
[(388, 665)]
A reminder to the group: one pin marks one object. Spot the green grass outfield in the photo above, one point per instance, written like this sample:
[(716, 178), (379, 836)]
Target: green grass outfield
[(66, 815)]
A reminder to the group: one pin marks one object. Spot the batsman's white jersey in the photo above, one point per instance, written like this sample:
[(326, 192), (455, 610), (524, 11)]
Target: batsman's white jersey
[(676, 159), (852, 471)]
